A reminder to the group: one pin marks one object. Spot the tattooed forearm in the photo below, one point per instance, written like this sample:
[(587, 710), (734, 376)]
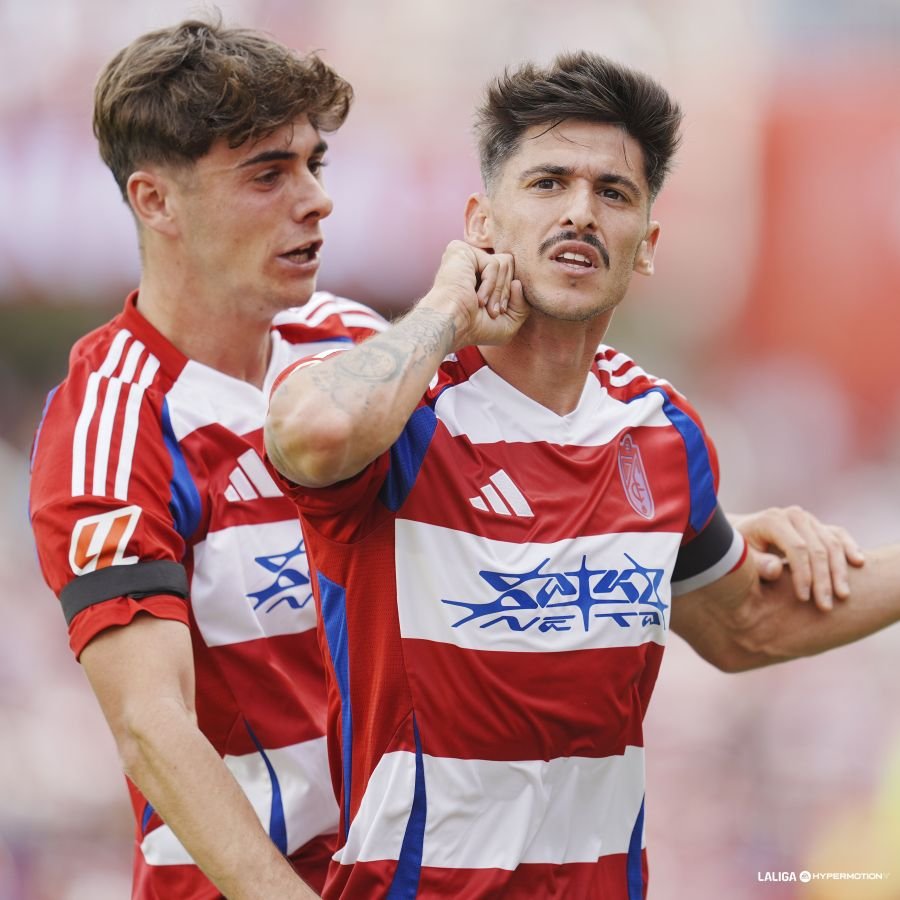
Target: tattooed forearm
[(430, 330), (373, 361), (415, 341)]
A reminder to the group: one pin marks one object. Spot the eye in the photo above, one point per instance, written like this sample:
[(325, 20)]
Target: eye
[(545, 184), (316, 166), (612, 194), (268, 178)]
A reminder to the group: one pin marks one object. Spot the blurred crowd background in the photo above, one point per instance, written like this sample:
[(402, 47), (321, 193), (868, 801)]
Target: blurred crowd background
[(774, 308)]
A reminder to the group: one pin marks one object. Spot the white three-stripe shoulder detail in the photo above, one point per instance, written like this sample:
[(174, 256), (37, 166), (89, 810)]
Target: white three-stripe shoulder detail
[(122, 385)]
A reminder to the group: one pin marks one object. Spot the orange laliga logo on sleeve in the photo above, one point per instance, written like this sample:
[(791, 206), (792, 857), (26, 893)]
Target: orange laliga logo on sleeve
[(100, 541)]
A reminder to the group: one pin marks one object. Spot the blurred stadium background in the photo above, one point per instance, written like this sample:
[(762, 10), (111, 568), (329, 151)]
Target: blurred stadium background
[(775, 308)]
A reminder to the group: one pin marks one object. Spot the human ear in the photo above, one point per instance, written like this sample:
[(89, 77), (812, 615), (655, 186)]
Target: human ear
[(149, 195), (643, 259), (478, 225)]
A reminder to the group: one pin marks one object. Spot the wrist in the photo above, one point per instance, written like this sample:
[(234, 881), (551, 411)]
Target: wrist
[(445, 319)]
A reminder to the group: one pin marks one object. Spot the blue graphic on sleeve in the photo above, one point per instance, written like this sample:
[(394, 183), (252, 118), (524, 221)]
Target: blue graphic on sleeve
[(549, 601), (290, 586)]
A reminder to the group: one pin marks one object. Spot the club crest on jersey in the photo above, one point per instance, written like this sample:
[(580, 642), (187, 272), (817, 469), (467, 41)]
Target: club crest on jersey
[(546, 600), (290, 585), (100, 541), (634, 478)]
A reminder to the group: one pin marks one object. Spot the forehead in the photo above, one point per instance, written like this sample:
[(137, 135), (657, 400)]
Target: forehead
[(298, 137), (592, 149)]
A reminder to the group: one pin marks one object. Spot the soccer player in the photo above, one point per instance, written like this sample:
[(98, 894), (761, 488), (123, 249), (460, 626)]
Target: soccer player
[(504, 522), (179, 563)]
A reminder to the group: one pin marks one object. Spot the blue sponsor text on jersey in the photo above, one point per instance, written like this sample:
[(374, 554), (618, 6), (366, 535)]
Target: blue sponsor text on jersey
[(557, 601), (290, 586)]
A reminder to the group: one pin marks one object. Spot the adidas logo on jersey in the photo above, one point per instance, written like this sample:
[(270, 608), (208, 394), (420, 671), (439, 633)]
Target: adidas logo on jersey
[(502, 496), (249, 479)]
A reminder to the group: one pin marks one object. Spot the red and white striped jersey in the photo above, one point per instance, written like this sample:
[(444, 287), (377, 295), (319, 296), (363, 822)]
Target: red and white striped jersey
[(495, 594), (149, 494)]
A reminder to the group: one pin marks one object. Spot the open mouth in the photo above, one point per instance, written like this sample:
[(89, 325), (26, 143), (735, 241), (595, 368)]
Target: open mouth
[(579, 260), (577, 256), (304, 254)]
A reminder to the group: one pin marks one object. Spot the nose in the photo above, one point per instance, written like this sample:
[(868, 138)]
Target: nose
[(312, 201), (578, 212)]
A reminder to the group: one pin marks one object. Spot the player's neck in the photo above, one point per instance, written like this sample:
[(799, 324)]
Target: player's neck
[(224, 339), (549, 360)]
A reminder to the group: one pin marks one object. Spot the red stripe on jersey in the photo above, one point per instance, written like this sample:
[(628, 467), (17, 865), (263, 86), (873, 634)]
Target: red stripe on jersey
[(310, 862), (441, 501), (607, 879), (120, 611), (506, 706), (325, 331), (277, 683)]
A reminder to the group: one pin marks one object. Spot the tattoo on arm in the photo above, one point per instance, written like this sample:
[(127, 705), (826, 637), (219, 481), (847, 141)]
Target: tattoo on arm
[(385, 357)]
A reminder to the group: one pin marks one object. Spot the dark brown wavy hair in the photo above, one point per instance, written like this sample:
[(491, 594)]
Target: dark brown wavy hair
[(582, 86), (167, 96)]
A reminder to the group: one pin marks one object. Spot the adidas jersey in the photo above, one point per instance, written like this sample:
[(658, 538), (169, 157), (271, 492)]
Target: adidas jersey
[(495, 593), (149, 494)]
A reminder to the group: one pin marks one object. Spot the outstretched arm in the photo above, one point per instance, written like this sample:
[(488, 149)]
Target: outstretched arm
[(143, 676), (740, 623), (329, 420)]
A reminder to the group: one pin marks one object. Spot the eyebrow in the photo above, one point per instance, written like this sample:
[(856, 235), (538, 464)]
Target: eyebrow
[(279, 155), (568, 172)]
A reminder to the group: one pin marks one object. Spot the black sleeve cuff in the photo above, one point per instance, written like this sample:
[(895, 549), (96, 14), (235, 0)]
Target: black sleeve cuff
[(140, 580), (706, 549)]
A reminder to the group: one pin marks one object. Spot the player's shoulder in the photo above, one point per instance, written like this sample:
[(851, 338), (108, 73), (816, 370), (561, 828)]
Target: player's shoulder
[(623, 378), (112, 375), (326, 314)]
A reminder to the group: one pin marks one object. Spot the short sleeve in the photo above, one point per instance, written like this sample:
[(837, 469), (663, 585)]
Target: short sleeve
[(710, 547), (111, 504)]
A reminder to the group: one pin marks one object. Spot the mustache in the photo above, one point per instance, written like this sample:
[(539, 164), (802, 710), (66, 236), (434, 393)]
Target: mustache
[(564, 236)]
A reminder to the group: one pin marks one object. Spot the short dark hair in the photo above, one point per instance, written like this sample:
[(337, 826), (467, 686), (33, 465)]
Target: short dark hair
[(167, 96), (582, 86)]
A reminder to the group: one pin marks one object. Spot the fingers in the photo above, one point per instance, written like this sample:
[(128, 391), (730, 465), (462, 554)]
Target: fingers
[(496, 280), (852, 551), (487, 285), (769, 566), (818, 555), (824, 567)]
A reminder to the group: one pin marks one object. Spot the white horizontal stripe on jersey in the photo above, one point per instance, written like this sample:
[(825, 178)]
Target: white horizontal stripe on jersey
[(203, 396), (88, 407), (489, 814), (306, 794), (714, 573), (260, 559), (489, 410), (618, 603)]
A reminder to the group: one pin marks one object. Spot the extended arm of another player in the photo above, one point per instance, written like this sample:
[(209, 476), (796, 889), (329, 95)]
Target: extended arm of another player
[(740, 623), (143, 676), (328, 420)]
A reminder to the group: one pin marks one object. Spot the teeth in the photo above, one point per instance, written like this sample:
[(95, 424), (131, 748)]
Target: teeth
[(568, 256)]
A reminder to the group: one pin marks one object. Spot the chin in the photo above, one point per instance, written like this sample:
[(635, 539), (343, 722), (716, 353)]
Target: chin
[(576, 308)]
